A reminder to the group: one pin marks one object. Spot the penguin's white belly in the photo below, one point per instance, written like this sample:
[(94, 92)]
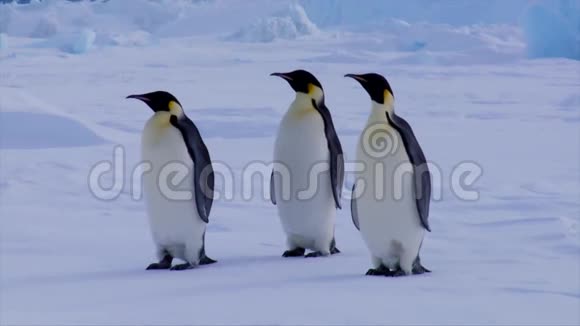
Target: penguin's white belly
[(389, 221), (308, 213), (175, 224)]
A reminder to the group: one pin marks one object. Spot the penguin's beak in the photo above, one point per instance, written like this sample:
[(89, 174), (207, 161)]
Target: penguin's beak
[(282, 75), (357, 77), (140, 97)]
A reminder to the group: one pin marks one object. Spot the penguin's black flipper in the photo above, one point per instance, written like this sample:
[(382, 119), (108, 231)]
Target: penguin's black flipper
[(354, 208), (203, 175), (336, 155), (421, 174), (272, 192), (418, 268)]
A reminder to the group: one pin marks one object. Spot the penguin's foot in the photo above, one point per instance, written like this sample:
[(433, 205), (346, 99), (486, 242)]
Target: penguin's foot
[(333, 249), (165, 263), (418, 268), (182, 267), (380, 271), (397, 273), (316, 254), (158, 266), (298, 252), (205, 260)]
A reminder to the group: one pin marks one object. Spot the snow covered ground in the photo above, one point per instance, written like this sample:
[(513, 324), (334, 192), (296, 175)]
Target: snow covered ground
[(470, 92)]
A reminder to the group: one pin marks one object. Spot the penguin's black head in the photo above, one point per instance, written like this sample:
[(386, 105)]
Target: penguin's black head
[(301, 81), (376, 85), (160, 101)]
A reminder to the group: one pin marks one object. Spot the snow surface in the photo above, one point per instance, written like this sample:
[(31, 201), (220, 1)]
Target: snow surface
[(466, 86)]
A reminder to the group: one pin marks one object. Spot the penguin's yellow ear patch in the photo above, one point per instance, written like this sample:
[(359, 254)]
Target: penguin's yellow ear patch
[(388, 97), (175, 108), (314, 91)]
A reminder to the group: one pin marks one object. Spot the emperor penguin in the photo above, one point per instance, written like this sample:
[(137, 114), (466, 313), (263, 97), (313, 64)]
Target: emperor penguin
[(178, 216), (391, 195), (308, 173)]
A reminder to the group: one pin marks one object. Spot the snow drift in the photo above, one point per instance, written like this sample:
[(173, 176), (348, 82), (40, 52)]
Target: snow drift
[(546, 28), (552, 29), (63, 24), (286, 25), (353, 12)]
